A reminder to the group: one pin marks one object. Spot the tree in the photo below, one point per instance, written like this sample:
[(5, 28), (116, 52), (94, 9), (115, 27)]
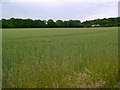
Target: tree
[(39, 24), (29, 23), (51, 23), (60, 23), (74, 23), (5, 23)]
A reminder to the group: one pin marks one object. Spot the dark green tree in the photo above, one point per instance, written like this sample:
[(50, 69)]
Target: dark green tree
[(51, 23), (60, 23), (29, 23)]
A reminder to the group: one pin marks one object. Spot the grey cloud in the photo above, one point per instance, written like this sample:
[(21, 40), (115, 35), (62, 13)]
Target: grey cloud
[(64, 11)]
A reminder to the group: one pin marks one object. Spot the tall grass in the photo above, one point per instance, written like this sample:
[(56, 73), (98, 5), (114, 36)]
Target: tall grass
[(60, 58)]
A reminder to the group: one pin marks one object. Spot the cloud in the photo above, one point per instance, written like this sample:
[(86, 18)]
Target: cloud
[(65, 11), (59, 1), (104, 11)]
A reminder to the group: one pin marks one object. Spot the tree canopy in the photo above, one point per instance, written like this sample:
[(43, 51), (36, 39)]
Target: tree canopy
[(29, 23)]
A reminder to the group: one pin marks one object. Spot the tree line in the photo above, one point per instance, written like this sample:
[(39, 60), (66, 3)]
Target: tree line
[(29, 23)]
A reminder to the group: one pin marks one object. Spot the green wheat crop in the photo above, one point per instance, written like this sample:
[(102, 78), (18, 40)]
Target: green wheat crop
[(60, 58)]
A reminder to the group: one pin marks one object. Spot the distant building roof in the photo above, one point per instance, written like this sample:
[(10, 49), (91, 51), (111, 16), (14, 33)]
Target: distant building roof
[(95, 25)]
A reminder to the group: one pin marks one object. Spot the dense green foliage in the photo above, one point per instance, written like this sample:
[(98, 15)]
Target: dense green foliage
[(110, 22), (59, 57), (29, 23)]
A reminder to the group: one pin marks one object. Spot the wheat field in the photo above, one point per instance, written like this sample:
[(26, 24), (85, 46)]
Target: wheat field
[(60, 57)]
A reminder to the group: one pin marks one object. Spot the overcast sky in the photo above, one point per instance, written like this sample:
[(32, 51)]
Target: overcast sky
[(60, 9)]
